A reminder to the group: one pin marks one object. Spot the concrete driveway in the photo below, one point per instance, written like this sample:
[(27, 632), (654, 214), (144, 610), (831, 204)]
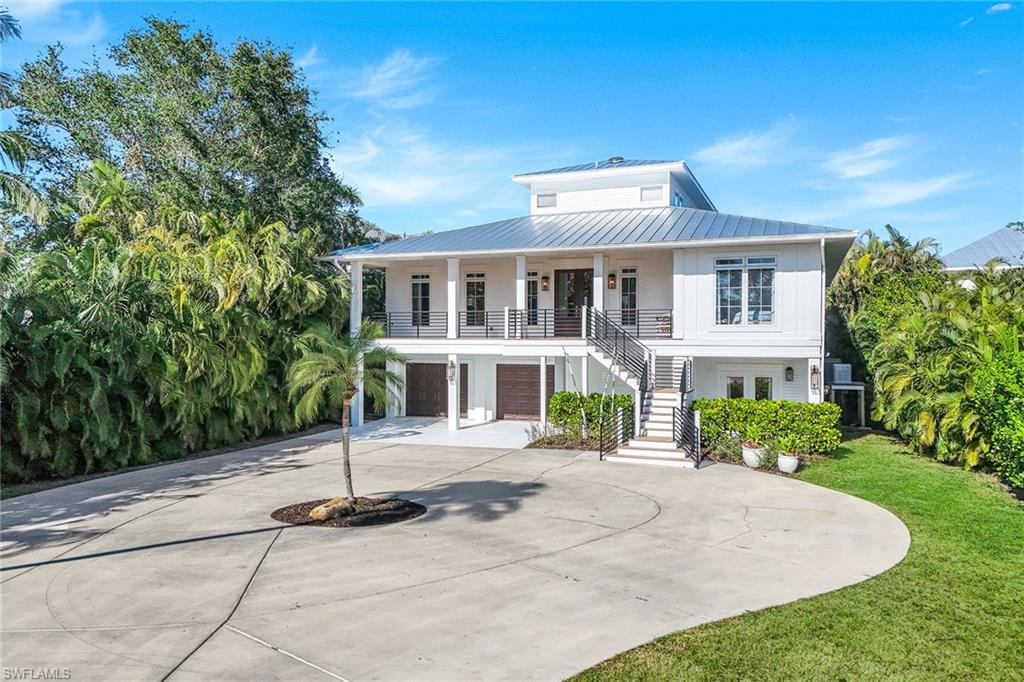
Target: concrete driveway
[(527, 565)]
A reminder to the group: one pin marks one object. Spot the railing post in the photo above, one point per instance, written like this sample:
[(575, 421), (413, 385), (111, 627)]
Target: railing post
[(506, 322), (583, 321)]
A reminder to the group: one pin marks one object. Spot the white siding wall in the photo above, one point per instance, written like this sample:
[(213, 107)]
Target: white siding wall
[(708, 383), (598, 194)]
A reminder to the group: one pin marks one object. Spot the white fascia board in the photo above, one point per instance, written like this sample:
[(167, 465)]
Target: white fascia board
[(588, 248), (699, 186), (527, 180)]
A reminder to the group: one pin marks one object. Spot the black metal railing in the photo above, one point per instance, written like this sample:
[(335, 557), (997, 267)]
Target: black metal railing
[(645, 324), (484, 324), (613, 429), (545, 323), (623, 348), (686, 432), (432, 324)]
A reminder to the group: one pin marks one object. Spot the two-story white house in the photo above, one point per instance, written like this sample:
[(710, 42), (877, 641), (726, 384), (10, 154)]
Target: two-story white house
[(624, 276)]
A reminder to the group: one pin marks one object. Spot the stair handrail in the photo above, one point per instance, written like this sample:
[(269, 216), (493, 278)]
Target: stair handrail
[(611, 338)]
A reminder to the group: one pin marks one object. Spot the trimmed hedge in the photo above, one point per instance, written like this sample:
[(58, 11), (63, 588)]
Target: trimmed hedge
[(566, 408), (999, 398), (813, 427)]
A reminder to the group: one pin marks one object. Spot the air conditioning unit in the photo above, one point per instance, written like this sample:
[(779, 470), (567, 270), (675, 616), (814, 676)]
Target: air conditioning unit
[(842, 373)]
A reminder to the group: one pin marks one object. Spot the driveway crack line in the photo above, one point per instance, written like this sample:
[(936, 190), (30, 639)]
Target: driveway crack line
[(234, 608)]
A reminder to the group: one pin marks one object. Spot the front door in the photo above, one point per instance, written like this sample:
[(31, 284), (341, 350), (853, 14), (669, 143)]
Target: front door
[(574, 290)]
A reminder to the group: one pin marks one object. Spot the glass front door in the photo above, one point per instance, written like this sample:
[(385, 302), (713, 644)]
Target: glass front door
[(574, 290)]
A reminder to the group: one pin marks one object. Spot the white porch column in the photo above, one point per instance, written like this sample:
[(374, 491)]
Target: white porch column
[(355, 320), (453, 392), (598, 281), (585, 374), (453, 298), (520, 282), (395, 410), (543, 391), (678, 291)]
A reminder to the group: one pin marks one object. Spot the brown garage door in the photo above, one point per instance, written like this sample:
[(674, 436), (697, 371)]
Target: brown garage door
[(519, 391), (426, 389)]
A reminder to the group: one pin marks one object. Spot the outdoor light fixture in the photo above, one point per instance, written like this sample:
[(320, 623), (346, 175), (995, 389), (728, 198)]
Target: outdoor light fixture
[(815, 378), (611, 280), (451, 372), (545, 282), (789, 374)]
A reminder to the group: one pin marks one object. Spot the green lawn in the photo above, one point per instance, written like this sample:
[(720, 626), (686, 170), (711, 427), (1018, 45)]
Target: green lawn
[(952, 610)]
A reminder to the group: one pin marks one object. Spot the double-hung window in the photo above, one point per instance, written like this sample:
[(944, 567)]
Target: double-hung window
[(628, 296), (531, 297), (475, 299), (745, 290), (421, 300)]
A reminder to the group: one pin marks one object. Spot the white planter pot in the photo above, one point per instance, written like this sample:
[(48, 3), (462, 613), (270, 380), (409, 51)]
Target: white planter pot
[(752, 456), (788, 464)]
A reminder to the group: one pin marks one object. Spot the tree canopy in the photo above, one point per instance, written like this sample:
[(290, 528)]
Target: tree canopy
[(191, 126)]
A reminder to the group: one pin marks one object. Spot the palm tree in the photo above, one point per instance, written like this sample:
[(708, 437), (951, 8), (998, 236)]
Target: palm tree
[(15, 192), (329, 371)]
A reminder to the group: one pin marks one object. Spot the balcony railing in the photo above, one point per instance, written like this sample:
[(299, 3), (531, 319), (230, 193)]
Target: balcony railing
[(433, 324), (544, 323)]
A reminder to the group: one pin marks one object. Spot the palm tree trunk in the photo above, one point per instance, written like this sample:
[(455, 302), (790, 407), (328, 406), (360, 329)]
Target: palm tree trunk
[(346, 465)]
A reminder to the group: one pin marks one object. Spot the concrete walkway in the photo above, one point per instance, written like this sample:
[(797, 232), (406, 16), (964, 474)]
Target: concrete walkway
[(528, 564), (434, 431)]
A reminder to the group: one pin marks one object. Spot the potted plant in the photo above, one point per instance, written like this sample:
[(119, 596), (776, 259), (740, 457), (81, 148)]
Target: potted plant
[(753, 447), (788, 460)]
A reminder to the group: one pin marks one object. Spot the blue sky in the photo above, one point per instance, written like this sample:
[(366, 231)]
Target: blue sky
[(849, 115)]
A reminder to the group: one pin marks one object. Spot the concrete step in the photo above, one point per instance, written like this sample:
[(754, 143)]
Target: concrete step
[(654, 417), (655, 430), (643, 450), (653, 443), (656, 461)]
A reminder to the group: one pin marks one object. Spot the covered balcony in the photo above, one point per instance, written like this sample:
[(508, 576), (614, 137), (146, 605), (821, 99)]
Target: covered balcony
[(508, 323)]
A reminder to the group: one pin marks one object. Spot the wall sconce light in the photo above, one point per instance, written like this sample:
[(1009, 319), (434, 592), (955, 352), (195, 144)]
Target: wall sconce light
[(789, 374), (611, 280), (545, 282), (451, 372), (815, 378)]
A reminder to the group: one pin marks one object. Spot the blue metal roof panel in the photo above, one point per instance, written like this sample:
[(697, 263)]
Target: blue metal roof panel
[(1006, 243), (596, 165), (592, 228)]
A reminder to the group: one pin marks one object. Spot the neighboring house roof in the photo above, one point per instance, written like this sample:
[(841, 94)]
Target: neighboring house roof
[(610, 228), (1007, 244), (596, 165)]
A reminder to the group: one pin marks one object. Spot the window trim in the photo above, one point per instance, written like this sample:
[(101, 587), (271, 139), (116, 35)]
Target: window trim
[(419, 318), (629, 272), (532, 314), (745, 263), (479, 317), (750, 374)]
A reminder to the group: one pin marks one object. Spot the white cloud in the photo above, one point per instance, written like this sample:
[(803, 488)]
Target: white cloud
[(899, 192), (310, 59), (892, 118), (966, 21), (750, 150), (51, 21), (398, 82), (999, 7), (984, 72), (867, 159)]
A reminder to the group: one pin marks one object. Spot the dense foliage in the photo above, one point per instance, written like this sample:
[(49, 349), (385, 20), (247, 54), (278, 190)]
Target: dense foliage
[(998, 396), (152, 336), (926, 336), (809, 428)]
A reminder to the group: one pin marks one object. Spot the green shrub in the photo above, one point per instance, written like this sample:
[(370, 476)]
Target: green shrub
[(813, 428), (566, 408), (998, 396)]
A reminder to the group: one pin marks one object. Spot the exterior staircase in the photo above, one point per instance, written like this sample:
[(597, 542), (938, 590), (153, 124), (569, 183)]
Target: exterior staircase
[(657, 443)]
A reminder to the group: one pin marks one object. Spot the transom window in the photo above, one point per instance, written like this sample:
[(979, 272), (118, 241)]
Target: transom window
[(549, 200), (420, 300), (652, 193), (745, 290), (475, 299)]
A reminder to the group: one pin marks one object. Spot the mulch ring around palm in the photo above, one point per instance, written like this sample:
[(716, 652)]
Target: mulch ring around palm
[(369, 511)]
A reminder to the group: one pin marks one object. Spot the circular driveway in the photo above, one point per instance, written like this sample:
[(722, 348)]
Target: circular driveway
[(528, 564)]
